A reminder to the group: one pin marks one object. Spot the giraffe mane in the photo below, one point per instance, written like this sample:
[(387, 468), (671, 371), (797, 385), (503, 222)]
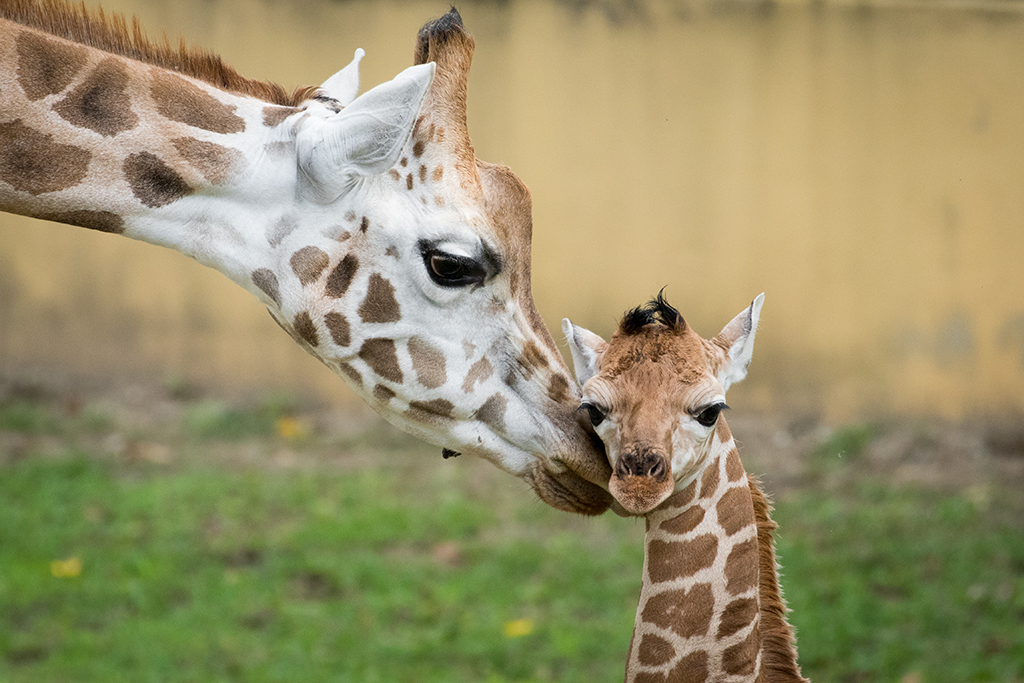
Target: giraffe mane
[(778, 655), (111, 33)]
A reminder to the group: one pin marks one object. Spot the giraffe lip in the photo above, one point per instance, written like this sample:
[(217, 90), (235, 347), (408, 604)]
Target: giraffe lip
[(639, 495)]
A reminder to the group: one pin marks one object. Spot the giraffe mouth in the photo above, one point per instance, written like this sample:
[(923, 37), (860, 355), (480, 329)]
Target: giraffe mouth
[(568, 491), (641, 481)]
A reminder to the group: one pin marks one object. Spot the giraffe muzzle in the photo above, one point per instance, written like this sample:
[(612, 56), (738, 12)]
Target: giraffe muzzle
[(641, 481)]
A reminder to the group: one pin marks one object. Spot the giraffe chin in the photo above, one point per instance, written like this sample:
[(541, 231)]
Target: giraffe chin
[(638, 495), (569, 492)]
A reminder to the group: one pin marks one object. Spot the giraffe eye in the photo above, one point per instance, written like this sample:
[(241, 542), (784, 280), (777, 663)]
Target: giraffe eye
[(452, 270), (595, 414), (709, 416)]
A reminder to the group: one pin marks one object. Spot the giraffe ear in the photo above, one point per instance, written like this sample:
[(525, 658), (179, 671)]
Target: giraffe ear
[(737, 338), (365, 138), (587, 350), (344, 85)]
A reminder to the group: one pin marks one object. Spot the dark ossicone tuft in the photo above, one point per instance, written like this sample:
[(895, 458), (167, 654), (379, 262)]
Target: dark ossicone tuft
[(657, 310), (440, 29)]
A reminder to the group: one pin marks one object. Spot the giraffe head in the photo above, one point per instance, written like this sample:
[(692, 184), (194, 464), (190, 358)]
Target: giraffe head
[(655, 392), (421, 296)]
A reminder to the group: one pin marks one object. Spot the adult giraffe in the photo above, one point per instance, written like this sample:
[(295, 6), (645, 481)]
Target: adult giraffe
[(365, 224)]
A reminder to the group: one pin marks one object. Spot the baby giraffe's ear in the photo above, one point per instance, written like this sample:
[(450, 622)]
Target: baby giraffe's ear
[(737, 338), (587, 350)]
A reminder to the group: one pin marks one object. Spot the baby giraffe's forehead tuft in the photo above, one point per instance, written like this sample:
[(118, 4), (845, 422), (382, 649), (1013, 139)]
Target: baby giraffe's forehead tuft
[(657, 352)]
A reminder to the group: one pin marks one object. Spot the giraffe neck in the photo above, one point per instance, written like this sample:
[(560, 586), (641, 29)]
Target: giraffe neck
[(102, 141), (710, 607)]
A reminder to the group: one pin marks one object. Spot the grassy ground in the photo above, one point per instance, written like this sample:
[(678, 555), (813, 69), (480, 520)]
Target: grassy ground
[(190, 540)]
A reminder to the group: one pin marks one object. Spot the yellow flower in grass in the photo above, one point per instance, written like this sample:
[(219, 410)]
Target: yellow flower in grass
[(517, 628), (66, 569), (290, 428)]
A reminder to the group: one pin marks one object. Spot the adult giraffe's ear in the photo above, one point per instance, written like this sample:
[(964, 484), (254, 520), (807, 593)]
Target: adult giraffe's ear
[(737, 340), (365, 138), (344, 85), (587, 350)]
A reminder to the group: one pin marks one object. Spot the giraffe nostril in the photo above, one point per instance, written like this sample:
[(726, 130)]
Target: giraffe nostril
[(657, 470), (643, 464)]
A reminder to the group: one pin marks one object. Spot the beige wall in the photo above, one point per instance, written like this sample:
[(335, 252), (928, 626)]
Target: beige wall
[(862, 167)]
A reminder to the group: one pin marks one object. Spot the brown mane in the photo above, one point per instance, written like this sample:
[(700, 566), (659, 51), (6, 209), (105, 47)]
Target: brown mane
[(111, 33), (778, 654)]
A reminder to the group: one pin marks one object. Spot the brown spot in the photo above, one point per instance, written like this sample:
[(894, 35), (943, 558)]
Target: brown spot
[(693, 668), (735, 510), (685, 521), (392, 251), (736, 616), (308, 263), (153, 182), (681, 498), (430, 411), (408, 182), (382, 393), (438, 173), (45, 66), (183, 101), (275, 116), (709, 482), (338, 326), (686, 612), (558, 389), (733, 466), (679, 559), (281, 228), (492, 412), (364, 225), (395, 175), (423, 173), (405, 162), (267, 282), (722, 431), (439, 201), (530, 360), (380, 305), (655, 650), (428, 362), (214, 161), (741, 567), (344, 236), (380, 355), (103, 221), (341, 277), (305, 328), (417, 149), (100, 102), (351, 373), (478, 372), (32, 162), (741, 658)]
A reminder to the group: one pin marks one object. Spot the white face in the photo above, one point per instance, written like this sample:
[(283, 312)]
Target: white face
[(408, 275)]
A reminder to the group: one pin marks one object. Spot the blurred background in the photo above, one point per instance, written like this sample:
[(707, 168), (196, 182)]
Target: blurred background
[(861, 164), (185, 495)]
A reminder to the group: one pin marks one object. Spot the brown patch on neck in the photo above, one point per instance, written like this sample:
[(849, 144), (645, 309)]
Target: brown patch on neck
[(778, 644), (112, 34)]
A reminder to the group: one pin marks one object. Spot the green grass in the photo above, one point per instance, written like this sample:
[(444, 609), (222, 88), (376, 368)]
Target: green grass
[(418, 569)]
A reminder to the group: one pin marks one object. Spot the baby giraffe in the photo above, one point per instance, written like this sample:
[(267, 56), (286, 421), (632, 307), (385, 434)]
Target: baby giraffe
[(710, 606)]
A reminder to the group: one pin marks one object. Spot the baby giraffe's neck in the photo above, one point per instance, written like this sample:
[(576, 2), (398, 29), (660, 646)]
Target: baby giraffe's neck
[(710, 607)]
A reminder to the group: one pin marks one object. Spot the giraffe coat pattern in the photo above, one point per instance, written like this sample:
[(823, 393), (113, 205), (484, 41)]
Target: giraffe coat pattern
[(365, 224)]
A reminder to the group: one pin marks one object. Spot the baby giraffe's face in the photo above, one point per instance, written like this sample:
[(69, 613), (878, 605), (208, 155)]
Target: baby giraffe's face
[(655, 395)]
